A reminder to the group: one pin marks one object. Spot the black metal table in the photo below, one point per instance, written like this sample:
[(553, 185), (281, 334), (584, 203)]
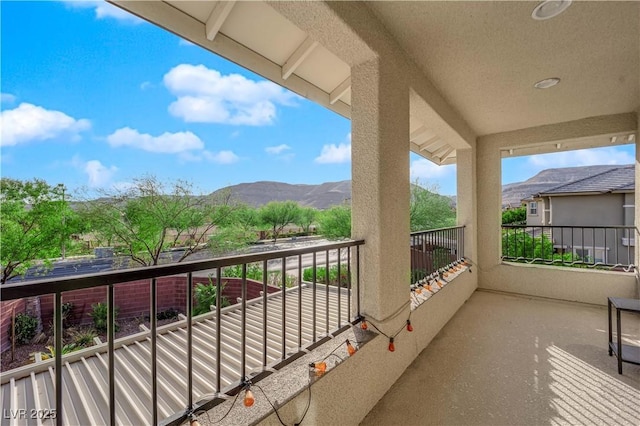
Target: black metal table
[(624, 353)]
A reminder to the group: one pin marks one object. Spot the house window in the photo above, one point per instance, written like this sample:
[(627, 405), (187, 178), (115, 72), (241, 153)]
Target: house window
[(533, 207)]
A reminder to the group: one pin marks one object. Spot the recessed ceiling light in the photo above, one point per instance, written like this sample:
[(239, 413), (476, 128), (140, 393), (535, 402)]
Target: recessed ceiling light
[(549, 9), (546, 83)]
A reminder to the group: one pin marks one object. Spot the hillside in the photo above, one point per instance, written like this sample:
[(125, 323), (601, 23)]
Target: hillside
[(320, 196), (513, 193)]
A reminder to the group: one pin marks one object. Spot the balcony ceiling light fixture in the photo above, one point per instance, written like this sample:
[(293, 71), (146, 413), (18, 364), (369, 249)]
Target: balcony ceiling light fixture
[(546, 83), (549, 9)]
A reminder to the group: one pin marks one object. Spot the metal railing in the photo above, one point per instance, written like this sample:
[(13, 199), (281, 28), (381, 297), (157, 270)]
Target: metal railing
[(313, 321), (606, 247), (434, 249)]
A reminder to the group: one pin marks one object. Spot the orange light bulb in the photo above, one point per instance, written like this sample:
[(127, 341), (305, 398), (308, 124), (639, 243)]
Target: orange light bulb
[(392, 347), (409, 326), (363, 325), (249, 399), (320, 368), (418, 291), (350, 349)]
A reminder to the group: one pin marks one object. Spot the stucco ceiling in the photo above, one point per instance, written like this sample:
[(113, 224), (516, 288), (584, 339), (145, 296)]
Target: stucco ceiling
[(484, 57)]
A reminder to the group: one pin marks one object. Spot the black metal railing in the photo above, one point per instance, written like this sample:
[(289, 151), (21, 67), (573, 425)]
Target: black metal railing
[(606, 247), (302, 327), (434, 249)]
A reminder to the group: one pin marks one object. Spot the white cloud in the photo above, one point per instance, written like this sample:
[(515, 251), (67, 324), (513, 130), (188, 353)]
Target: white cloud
[(425, 169), (29, 122), (582, 157), (104, 10), (222, 157), (333, 153), (7, 98), (185, 42), (275, 150), (168, 143), (99, 175), (206, 96), (146, 85)]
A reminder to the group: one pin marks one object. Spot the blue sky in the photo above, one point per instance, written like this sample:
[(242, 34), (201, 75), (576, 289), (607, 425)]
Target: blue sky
[(93, 97)]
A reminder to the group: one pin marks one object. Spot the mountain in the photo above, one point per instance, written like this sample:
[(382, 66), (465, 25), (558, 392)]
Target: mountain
[(513, 193), (320, 196)]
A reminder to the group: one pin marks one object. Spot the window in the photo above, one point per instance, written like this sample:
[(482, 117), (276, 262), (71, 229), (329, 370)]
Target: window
[(533, 207)]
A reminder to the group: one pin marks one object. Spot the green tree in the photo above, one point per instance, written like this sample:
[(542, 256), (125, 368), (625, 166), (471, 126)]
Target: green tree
[(307, 217), (150, 217), (514, 216), (335, 222), (31, 225), (428, 209), (278, 214)]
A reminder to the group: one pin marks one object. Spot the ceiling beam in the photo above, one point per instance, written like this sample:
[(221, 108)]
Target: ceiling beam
[(298, 57), (339, 91), (446, 149), (218, 15), (447, 154), (430, 143)]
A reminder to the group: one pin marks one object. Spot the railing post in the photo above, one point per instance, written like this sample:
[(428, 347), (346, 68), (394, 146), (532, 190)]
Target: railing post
[(58, 356), (111, 330)]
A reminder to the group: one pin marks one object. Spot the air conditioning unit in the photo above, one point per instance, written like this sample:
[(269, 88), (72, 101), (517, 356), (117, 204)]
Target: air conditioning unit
[(628, 242)]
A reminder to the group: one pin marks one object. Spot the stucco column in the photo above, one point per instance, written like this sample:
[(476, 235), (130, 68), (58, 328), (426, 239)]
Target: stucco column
[(466, 200), (636, 201), (489, 202), (380, 185)]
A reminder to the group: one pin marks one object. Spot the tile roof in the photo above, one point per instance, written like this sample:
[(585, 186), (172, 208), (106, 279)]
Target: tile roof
[(618, 179)]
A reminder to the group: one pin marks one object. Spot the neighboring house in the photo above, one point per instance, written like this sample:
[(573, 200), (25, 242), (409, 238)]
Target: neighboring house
[(605, 199)]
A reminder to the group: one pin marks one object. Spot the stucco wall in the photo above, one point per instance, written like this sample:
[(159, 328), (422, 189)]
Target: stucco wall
[(588, 210), (347, 393), (572, 284)]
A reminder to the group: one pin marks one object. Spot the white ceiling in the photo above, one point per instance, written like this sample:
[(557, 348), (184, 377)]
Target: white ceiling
[(482, 57)]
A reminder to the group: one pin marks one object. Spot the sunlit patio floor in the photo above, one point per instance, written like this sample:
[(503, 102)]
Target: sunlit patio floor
[(509, 360)]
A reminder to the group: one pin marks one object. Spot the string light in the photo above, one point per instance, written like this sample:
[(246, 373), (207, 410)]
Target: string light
[(350, 349), (409, 326), (249, 399), (392, 347), (363, 325), (319, 367)]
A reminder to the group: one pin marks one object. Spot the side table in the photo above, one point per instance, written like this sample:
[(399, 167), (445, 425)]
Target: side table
[(626, 353)]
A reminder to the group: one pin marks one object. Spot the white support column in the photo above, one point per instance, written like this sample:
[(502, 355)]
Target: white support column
[(380, 186), (489, 204), (466, 199), (636, 202)]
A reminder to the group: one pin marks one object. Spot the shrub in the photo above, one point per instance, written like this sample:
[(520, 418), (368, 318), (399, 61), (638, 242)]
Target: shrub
[(321, 274), (83, 338), (25, 328), (254, 272), (205, 295), (170, 313), (99, 316), (68, 348), (67, 313)]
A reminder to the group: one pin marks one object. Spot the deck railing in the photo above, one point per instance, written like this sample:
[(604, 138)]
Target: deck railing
[(434, 249), (606, 247), (285, 327)]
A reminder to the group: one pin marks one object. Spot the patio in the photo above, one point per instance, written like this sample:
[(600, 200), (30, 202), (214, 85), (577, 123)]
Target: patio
[(506, 360)]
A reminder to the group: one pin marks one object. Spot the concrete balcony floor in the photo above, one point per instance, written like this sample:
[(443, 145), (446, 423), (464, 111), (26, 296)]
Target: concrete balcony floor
[(509, 360)]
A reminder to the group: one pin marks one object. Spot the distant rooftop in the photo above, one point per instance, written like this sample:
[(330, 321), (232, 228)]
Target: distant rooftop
[(619, 179)]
